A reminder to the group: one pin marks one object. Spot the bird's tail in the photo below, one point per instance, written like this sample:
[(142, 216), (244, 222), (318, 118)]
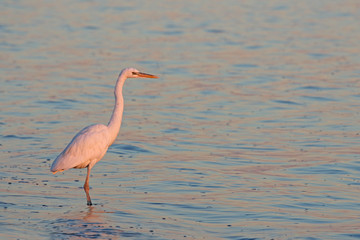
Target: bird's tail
[(57, 171)]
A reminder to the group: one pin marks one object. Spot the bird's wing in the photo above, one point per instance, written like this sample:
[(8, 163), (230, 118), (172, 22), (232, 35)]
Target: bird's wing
[(89, 145)]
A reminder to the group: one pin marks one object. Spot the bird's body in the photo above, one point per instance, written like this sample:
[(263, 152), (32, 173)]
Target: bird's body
[(84, 149), (91, 144)]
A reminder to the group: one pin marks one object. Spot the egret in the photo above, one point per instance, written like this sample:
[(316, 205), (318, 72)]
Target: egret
[(90, 144)]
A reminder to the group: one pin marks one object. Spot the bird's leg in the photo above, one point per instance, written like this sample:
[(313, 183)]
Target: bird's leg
[(86, 187)]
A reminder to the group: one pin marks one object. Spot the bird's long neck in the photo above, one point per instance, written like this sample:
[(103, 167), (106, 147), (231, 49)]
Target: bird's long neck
[(116, 118)]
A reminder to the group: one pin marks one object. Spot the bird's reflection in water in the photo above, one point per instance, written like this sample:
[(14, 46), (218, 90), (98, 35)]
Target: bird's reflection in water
[(94, 214), (91, 215), (90, 223)]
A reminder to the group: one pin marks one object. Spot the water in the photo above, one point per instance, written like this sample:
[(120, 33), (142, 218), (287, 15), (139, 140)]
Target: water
[(251, 132)]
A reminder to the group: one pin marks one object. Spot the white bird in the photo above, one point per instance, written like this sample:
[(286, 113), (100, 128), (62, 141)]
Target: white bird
[(90, 144)]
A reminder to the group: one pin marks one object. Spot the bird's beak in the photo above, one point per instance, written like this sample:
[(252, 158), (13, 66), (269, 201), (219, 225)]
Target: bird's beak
[(145, 75)]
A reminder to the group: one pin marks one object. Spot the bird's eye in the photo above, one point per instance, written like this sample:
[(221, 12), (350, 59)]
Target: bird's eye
[(135, 73)]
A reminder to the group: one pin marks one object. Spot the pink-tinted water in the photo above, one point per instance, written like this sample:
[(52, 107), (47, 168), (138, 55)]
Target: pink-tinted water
[(251, 132)]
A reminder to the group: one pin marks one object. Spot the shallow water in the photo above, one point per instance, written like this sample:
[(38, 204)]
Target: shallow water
[(251, 132)]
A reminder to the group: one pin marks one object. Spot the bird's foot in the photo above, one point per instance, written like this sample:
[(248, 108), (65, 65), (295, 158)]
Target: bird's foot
[(89, 203)]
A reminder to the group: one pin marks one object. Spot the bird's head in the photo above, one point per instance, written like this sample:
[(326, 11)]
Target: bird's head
[(134, 73)]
